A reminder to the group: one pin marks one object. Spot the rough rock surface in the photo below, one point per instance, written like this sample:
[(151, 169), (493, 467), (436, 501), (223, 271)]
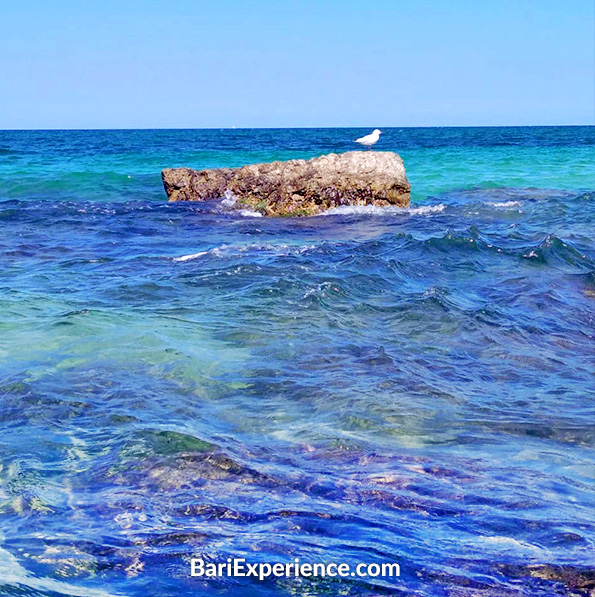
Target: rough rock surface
[(298, 187)]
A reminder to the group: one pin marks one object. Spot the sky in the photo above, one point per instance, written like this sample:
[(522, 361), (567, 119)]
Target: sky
[(295, 63)]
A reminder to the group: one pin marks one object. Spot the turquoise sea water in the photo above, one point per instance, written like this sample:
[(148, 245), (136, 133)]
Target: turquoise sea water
[(412, 386)]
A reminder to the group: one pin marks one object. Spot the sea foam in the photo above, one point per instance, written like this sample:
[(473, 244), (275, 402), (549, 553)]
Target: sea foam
[(275, 249), (508, 204), (373, 210)]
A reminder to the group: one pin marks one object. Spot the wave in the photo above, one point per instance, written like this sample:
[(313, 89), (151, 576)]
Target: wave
[(248, 213), (373, 210), (16, 575), (191, 256), (549, 250), (507, 204), (229, 199), (554, 250), (276, 250)]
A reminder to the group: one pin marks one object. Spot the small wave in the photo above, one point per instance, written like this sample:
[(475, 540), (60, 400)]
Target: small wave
[(190, 257), (248, 213), (563, 254), (16, 575), (373, 210), (507, 204), (229, 199), (426, 209), (260, 248)]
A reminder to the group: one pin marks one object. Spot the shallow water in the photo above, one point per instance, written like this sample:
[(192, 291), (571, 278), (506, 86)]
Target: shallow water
[(411, 386)]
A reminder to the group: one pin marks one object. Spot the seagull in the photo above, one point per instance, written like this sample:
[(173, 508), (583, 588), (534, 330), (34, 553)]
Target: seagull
[(370, 139)]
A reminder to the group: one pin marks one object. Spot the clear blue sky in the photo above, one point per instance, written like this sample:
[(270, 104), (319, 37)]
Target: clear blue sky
[(278, 63)]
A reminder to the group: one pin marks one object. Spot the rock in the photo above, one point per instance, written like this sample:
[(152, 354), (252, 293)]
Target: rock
[(298, 187)]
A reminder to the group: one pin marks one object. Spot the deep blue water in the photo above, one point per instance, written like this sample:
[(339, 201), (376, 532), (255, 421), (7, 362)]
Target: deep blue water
[(412, 386)]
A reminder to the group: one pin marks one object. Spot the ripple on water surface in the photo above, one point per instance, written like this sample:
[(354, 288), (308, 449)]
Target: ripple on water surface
[(367, 386)]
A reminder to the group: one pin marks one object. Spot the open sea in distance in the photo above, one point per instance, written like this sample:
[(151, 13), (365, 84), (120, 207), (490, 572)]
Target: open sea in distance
[(411, 386)]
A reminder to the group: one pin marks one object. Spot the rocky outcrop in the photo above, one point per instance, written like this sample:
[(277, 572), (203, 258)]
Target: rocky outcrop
[(298, 187)]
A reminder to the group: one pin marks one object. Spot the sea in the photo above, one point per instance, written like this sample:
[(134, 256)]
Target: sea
[(186, 382)]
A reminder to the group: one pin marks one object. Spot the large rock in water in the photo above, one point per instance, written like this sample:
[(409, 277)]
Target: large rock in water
[(298, 187)]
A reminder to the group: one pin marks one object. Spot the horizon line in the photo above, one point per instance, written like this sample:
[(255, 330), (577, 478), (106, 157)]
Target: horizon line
[(273, 128)]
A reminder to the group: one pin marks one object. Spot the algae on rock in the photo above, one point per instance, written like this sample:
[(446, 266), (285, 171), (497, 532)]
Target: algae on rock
[(298, 187)]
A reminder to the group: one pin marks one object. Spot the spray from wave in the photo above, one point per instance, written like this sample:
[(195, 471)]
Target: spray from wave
[(373, 210)]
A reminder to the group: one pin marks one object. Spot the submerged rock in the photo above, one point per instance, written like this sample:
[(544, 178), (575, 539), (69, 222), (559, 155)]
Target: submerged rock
[(298, 187)]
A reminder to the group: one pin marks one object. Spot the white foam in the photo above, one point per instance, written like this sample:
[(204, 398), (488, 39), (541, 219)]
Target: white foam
[(189, 257), (373, 210), (230, 250), (321, 288), (15, 574), (248, 213), (273, 248), (229, 199), (426, 209), (508, 204)]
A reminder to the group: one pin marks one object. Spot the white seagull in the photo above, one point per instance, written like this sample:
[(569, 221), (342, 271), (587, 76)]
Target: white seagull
[(370, 139)]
